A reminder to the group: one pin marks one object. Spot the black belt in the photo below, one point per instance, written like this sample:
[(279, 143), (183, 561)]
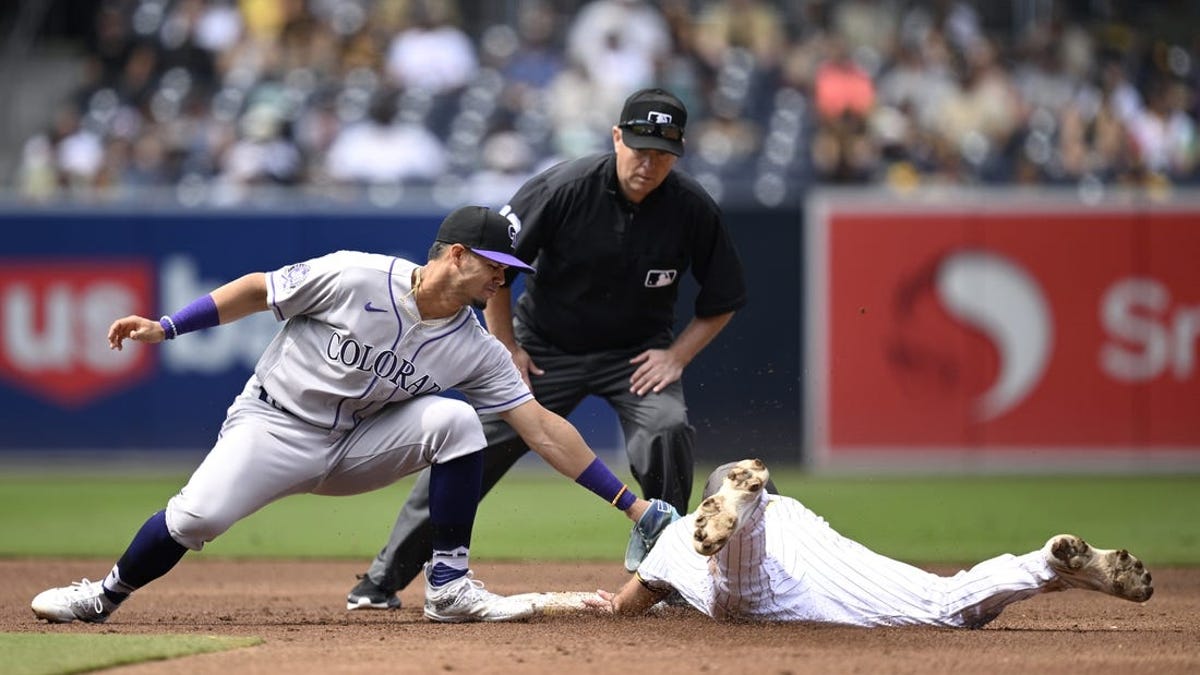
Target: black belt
[(270, 400)]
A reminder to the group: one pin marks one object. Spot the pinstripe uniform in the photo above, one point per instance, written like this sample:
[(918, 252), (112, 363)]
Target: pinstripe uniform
[(343, 399), (787, 564)]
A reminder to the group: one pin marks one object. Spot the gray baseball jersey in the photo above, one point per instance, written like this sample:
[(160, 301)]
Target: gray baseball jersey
[(352, 344), (342, 400), (788, 564)]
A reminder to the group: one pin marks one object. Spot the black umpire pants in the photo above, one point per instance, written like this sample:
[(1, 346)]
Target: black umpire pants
[(658, 441)]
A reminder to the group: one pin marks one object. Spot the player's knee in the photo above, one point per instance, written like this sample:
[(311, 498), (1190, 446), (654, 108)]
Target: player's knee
[(458, 431), (671, 434), (193, 527), (669, 416)]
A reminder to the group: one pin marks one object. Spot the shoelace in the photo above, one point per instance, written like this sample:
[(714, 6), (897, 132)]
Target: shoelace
[(84, 588), (474, 584)]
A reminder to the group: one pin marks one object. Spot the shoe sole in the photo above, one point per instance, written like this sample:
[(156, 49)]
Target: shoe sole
[(718, 517), (1116, 573)]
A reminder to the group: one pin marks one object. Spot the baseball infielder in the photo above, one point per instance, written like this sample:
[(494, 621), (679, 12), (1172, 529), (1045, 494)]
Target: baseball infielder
[(748, 554), (343, 401)]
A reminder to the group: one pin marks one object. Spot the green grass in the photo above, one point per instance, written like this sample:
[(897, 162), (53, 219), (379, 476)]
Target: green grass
[(536, 514), (45, 653)]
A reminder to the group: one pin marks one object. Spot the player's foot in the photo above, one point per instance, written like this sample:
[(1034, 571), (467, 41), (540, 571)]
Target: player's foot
[(369, 595), (1113, 572), (719, 516), (83, 600), (464, 600)]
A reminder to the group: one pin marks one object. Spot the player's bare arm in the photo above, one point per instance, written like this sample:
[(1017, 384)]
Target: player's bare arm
[(658, 368), (498, 316), (559, 443), (239, 298), (633, 598)]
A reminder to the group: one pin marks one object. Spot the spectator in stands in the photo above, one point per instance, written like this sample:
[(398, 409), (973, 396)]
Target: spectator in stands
[(619, 44), (433, 54), (755, 26), (381, 149), (845, 97)]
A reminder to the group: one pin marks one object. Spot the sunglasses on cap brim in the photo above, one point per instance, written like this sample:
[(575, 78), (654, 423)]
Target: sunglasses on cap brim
[(671, 132)]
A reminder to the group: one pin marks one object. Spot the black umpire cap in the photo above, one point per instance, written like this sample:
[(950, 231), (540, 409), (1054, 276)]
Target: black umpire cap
[(653, 119), (485, 232)]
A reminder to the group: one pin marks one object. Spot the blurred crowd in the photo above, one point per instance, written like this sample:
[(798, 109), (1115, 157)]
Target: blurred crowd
[(213, 98)]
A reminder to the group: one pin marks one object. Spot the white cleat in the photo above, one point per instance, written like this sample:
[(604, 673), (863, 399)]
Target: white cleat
[(82, 600), (464, 600), (719, 516), (1113, 572)]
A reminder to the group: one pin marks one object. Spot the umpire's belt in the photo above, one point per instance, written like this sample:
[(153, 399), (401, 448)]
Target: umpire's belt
[(270, 400)]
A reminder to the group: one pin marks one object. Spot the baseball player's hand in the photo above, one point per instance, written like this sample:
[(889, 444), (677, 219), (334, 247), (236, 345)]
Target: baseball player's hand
[(602, 601), (137, 328), (525, 365), (656, 368)]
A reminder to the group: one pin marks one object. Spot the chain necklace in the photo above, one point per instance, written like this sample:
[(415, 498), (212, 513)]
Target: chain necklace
[(414, 312)]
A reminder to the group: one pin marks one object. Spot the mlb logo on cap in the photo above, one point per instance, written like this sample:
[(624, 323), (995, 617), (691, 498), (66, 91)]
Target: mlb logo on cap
[(659, 117)]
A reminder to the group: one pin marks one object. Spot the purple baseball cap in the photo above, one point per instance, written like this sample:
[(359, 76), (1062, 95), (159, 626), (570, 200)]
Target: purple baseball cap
[(485, 232)]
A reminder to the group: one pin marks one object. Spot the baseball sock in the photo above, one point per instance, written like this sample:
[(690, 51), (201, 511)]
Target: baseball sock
[(454, 491), (151, 554)]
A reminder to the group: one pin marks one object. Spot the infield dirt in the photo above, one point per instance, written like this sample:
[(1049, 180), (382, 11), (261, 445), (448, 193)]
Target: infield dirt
[(297, 607)]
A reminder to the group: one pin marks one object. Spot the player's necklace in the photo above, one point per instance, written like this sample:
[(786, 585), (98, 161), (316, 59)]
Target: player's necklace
[(409, 303)]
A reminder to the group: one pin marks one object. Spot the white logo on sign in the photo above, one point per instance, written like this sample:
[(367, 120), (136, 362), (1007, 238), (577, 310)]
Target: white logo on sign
[(659, 117), (1005, 303), (658, 278)]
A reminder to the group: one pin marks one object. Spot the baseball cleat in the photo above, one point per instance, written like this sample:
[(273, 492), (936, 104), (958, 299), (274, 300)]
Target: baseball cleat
[(83, 600), (1113, 572), (369, 595), (464, 600), (719, 516)]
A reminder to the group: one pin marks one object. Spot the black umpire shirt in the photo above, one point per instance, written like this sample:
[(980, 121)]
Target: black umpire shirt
[(608, 270)]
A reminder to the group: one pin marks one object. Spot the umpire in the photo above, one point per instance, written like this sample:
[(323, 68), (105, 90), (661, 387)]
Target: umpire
[(611, 236)]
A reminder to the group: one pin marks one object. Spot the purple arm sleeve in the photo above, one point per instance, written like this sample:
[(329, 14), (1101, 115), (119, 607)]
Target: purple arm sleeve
[(200, 313), (597, 478)]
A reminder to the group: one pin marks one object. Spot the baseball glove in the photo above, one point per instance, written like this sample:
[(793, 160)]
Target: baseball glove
[(646, 532)]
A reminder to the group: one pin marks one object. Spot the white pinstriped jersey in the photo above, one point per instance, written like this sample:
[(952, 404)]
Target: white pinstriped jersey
[(353, 343), (787, 564)]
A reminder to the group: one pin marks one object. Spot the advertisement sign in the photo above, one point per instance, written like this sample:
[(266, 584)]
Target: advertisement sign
[(1048, 332)]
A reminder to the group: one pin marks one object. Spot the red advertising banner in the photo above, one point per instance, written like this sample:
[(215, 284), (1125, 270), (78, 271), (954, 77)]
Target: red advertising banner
[(1021, 330), (55, 315)]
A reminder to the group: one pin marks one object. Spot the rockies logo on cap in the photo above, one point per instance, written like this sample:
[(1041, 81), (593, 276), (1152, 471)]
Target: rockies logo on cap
[(483, 231)]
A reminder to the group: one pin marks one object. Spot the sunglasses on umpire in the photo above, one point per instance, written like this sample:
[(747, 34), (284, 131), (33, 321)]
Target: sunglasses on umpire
[(671, 132)]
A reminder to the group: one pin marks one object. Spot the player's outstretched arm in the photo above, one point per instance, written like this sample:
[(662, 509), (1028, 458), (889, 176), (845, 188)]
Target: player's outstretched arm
[(236, 299), (633, 598), (558, 442)]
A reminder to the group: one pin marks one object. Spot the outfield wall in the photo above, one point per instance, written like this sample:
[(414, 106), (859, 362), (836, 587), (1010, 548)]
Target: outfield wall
[(934, 331)]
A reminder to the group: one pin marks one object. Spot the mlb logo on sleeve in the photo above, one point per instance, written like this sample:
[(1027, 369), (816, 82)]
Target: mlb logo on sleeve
[(659, 278)]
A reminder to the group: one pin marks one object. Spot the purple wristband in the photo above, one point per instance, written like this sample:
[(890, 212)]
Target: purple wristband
[(597, 478), (200, 313)]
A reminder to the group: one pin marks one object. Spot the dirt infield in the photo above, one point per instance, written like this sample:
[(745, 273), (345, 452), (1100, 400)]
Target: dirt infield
[(296, 607)]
